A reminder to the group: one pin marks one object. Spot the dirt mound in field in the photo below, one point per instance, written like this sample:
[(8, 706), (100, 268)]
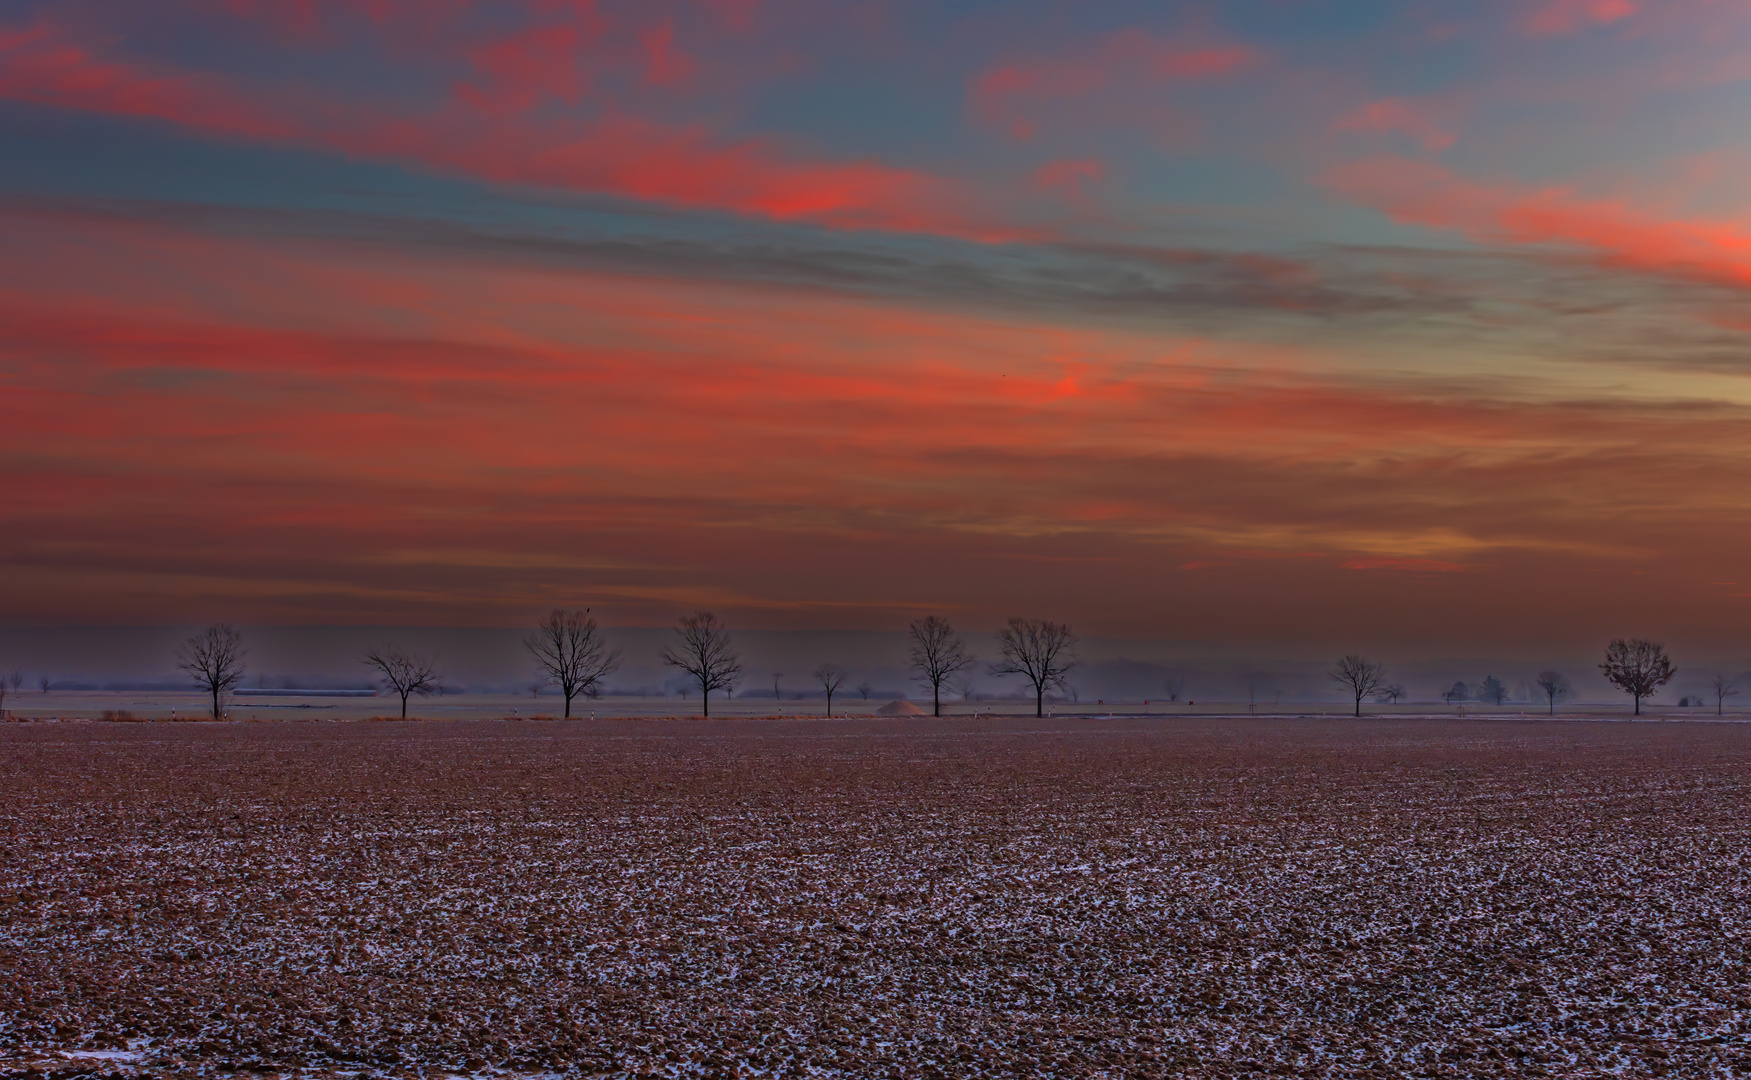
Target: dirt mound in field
[(899, 708)]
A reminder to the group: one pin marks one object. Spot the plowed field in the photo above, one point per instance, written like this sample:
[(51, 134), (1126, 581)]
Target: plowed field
[(876, 898)]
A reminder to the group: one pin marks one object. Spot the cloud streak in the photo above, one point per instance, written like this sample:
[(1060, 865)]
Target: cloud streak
[(670, 435)]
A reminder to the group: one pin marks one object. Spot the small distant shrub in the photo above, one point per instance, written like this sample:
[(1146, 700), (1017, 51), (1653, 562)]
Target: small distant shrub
[(119, 716)]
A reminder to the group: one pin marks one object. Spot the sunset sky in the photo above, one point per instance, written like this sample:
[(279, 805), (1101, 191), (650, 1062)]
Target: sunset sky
[(1309, 324)]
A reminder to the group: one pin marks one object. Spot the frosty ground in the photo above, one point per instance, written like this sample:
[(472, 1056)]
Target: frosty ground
[(876, 898)]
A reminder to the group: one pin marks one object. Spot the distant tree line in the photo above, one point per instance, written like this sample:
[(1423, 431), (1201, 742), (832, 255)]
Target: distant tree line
[(1636, 666), (569, 653)]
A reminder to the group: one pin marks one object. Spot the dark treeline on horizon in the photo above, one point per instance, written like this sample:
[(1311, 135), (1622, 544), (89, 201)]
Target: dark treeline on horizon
[(1037, 662)]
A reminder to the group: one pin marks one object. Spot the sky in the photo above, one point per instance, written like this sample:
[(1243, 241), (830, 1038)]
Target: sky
[(1300, 325)]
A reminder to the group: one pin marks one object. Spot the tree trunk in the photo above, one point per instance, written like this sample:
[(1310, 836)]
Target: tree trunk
[(1638, 704), (705, 702), (404, 706), (1358, 704), (1039, 701), (936, 699), (568, 706), (215, 703), (829, 704)]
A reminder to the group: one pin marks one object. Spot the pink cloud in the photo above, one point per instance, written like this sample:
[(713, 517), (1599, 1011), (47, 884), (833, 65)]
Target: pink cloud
[(666, 65), (1007, 94), (1068, 177), (1401, 116), (676, 166), (736, 14), (38, 67), (520, 70), (1558, 17), (1615, 233)]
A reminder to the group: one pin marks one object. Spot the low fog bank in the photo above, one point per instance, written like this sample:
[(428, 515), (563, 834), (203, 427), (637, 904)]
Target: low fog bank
[(493, 660)]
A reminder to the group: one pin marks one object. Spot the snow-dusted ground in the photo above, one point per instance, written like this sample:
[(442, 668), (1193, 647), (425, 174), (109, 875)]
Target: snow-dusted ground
[(869, 898)]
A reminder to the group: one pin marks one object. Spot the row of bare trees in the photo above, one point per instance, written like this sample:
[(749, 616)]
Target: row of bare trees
[(1636, 666), (11, 681), (570, 653), (1039, 651)]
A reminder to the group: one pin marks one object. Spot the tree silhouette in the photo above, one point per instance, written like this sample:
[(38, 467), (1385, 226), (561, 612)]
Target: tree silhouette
[(1724, 688), (406, 673), (1638, 667), (1253, 681), (214, 658), (1361, 677), (1492, 690), (1457, 692), (1175, 685), (570, 652), (704, 652), (937, 655), (1555, 686), (1039, 651), (830, 678)]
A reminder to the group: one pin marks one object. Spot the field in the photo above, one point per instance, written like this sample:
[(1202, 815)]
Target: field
[(1171, 897)]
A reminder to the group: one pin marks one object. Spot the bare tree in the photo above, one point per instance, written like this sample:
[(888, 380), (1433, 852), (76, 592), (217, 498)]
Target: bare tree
[(1638, 667), (1253, 681), (1175, 685), (830, 678), (1492, 690), (1724, 688), (1457, 692), (6, 681), (1392, 692), (864, 689), (406, 673), (704, 652), (1361, 677), (1039, 651), (570, 653), (44, 683), (965, 688), (1555, 686), (937, 656), (214, 660), (776, 675)]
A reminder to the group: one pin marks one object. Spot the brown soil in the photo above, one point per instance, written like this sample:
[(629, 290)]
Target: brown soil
[(876, 898)]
